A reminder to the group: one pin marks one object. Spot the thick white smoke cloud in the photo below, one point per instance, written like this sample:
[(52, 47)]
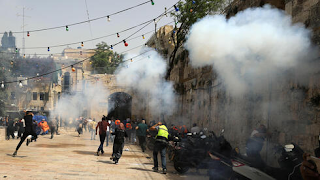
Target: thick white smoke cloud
[(146, 76), (73, 105), (252, 48)]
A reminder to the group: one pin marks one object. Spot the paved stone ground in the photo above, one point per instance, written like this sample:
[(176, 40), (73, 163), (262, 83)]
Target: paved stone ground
[(70, 157)]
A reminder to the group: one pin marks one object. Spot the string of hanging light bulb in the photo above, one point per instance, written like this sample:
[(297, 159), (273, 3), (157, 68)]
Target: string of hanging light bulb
[(65, 67), (82, 22)]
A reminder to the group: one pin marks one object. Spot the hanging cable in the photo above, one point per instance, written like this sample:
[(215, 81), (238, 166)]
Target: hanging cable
[(82, 22)]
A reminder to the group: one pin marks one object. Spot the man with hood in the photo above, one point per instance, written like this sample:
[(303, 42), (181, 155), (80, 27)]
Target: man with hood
[(118, 144), (28, 131)]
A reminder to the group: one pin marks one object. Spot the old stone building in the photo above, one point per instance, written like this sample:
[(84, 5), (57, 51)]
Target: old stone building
[(290, 111)]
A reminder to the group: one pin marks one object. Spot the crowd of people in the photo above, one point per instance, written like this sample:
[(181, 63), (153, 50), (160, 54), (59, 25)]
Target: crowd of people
[(126, 131)]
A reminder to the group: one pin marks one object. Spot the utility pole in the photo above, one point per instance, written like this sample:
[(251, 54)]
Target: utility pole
[(23, 25)]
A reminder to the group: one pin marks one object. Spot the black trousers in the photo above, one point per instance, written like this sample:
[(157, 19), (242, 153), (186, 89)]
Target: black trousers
[(142, 142), (10, 132), (28, 131), (117, 150), (53, 130)]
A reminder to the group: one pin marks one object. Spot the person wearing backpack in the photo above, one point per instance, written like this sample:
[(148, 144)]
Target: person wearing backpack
[(128, 130)]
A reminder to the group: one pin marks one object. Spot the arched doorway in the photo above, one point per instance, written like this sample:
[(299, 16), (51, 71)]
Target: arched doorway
[(119, 106)]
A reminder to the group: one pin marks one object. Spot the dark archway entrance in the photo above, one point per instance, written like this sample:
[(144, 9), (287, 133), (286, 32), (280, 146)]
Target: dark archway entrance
[(119, 106)]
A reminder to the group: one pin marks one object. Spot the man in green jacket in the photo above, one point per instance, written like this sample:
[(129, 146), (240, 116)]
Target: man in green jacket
[(142, 133)]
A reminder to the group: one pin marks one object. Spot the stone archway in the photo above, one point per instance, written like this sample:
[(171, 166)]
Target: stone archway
[(119, 106)]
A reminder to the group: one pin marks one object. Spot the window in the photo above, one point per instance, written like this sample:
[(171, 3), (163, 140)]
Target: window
[(35, 95), (13, 95), (46, 96), (41, 96)]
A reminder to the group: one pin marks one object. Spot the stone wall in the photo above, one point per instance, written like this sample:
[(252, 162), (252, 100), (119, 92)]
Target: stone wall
[(290, 111)]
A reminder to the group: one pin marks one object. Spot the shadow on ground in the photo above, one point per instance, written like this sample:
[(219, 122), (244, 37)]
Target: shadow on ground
[(16, 156), (140, 169), (60, 145)]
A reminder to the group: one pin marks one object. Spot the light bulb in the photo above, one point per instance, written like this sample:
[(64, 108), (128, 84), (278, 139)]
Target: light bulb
[(11, 62), (131, 60), (24, 55), (67, 28), (125, 43), (152, 3), (165, 11), (16, 49), (118, 35), (193, 2), (169, 40), (20, 84), (176, 8), (191, 10), (109, 19), (82, 44), (143, 37), (111, 47), (73, 69), (28, 34), (48, 48)]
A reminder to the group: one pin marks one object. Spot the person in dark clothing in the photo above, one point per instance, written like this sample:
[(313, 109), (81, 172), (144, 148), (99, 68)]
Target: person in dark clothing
[(103, 126), (142, 133), (118, 144), (21, 128), (28, 131), (79, 128), (57, 126), (52, 126), (255, 144), (160, 145), (10, 129)]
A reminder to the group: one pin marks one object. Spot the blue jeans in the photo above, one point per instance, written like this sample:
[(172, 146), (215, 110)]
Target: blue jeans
[(102, 138), (159, 147)]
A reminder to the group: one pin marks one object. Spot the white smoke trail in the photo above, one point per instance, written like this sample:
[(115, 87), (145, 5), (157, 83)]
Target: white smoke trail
[(73, 105), (147, 78), (252, 48)]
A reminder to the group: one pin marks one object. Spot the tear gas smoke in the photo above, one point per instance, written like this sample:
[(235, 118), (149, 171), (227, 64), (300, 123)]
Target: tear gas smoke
[(146, 77), (74, 104), (252, 48)]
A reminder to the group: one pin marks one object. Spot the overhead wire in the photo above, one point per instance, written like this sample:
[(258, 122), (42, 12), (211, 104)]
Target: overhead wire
[(81, 22), (90, 57)]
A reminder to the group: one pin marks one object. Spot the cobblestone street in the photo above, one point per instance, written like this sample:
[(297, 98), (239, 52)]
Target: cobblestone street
[(67, 156)]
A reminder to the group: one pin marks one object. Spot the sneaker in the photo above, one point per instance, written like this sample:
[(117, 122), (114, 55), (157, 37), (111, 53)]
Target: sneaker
[(28, 142), (164, 171), (97, 153), (155, 169), (111, 158), (116, 161), (102, 152), (15, 153)]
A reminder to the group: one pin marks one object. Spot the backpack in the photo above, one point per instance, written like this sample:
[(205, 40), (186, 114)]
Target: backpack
[(128, 126)]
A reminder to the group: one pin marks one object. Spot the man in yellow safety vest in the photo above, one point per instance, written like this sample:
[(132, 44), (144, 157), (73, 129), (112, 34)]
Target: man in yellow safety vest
[(160, 146)]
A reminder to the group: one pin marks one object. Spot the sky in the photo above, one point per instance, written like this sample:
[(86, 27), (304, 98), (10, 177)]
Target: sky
[(45, 14)]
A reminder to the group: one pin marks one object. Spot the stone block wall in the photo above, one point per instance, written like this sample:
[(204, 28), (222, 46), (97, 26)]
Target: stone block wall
[(290, 111)]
